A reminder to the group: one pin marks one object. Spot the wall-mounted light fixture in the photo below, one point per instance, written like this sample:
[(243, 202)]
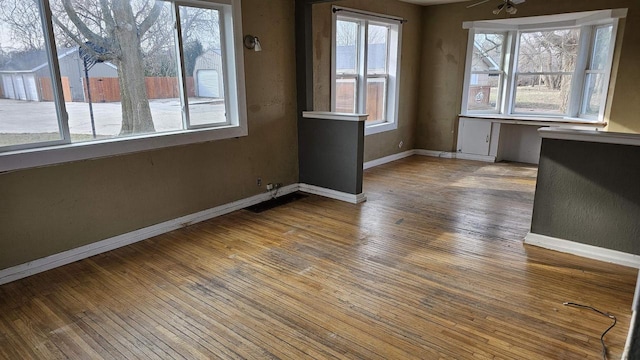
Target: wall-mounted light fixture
[(252, 42)]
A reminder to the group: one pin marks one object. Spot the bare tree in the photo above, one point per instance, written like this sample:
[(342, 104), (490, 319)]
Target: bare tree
[(21, 20), (110, 30)]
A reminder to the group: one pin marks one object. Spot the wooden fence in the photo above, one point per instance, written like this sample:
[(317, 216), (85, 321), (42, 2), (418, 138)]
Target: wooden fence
[(46, 90), (108, 89), (345, 99)]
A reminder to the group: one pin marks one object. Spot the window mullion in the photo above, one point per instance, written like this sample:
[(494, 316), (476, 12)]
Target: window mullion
[(362, 67), (607, 74), (509, 66), (182, 84), (56, 82), (225, 43), (467, 73), (578, 78)]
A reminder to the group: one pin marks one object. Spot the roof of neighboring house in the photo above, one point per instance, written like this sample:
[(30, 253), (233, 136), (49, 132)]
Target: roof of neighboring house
[(35, 60)]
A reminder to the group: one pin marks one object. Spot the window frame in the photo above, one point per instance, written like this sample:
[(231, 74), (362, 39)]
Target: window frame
[(23, 156), (392, 65), (587, 22), (502, 72)]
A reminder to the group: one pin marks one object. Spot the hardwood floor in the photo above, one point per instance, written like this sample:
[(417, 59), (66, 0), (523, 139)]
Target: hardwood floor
[(431, 266)]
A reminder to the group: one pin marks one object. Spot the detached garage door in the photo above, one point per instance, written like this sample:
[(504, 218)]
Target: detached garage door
[(30, 87), (7, 86), (208, 83), (20, 87)]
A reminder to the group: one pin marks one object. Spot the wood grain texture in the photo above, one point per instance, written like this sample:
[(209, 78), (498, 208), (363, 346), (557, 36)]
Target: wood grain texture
[(432, 266)]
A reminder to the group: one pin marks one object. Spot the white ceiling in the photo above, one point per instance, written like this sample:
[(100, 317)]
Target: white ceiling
[(432, 2)]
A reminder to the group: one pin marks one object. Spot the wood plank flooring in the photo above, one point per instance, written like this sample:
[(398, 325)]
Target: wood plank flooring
[(432, 266)]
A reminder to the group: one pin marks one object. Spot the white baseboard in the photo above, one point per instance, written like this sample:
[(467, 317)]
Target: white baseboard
[(436, 153), (333, 194), (388, 159), (83, 252), (456, 155), (432, 153), (584, 250), (485, 158)]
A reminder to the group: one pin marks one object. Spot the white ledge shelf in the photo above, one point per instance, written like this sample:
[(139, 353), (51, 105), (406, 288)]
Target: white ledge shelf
[(604, 137), (328, 115), (536, 120)]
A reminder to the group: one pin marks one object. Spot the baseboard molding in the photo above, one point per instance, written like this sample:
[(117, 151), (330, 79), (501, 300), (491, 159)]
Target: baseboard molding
[(584, 250), (436, 153), (456, 155), (333, 194), (388, 159), (432, 153), (66, 257), (484, 158)]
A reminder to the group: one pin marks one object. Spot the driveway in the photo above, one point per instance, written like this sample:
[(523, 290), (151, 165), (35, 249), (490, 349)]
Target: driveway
[(29, 117)]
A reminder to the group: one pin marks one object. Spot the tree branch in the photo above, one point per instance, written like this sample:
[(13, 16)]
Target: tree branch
[(106, 15), (80, 25), (151, 18), (109, 55)]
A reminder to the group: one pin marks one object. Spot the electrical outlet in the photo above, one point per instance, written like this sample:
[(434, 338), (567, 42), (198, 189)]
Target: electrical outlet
[(269, 186), (259, 182)]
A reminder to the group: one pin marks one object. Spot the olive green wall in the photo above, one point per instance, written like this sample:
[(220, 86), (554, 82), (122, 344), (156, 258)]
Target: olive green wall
[(48, 210), (386, 143), (443, 59)]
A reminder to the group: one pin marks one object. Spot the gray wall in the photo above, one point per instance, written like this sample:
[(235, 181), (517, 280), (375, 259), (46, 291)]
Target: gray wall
[(589, 193), (331, 153)]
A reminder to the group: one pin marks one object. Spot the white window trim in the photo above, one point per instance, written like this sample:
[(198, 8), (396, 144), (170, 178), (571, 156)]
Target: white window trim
[(58, 152), (393, 64), (513, 26)]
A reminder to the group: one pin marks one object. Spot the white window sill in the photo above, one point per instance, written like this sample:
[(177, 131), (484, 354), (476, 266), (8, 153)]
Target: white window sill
[(604, 137), (378, 128), (536, 119), (50, 155), (331, 115)]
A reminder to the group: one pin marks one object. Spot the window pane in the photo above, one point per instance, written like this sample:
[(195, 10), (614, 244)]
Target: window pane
[(118, 67), (376, 99), (602, 42), (377, 49), (593, 97), (26, 91), (483, 92), (346, 47), (542, 94), (548, 51), (203, 62), (346, 95), (487, 52)]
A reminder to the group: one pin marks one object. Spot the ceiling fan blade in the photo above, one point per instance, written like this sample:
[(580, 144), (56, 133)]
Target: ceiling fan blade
[(516, 2), (478, 3)]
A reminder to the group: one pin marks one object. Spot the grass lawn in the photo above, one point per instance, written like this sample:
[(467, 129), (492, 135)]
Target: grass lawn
[(529, 99)]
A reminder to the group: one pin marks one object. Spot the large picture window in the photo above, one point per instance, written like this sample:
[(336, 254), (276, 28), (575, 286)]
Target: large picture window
[(558, 67), (99, 71), (365, 66)]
